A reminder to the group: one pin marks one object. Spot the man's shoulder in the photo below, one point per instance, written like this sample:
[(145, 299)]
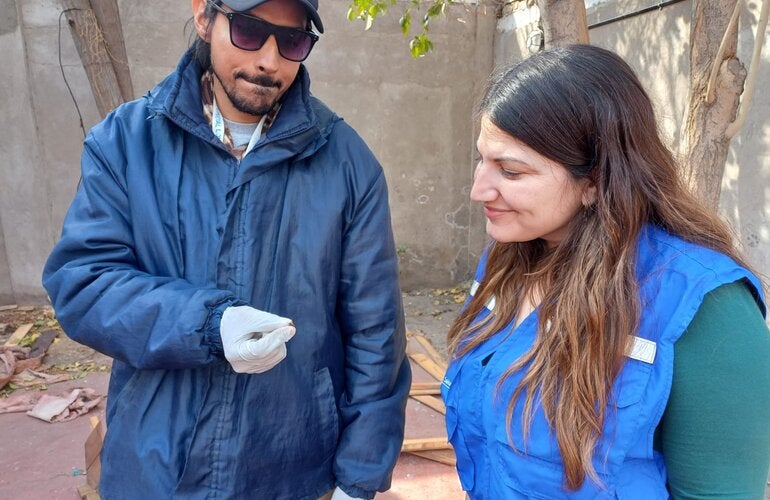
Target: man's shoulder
[(325, 117), (135, 111)]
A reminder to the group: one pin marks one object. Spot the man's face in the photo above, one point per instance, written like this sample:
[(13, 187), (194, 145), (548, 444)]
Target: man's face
[(248, 83)]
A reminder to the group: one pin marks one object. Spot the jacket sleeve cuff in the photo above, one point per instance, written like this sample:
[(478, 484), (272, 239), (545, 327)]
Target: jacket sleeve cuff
[(211, 336), (356, 492)]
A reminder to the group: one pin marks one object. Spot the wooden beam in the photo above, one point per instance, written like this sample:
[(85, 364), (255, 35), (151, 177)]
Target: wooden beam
[(426, 386), (424, 392), (428, 365), (446, 457), (19, 334), (432, 352), (431, 402), (108, 18), (423, 444), (89, 42)]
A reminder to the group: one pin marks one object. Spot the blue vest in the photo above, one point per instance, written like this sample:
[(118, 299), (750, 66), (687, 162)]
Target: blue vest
[(674, 276)]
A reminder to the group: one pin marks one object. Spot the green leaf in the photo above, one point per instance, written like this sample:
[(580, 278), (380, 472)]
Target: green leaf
[(436, 9), (420, 46), (405, 22), (414, 49)]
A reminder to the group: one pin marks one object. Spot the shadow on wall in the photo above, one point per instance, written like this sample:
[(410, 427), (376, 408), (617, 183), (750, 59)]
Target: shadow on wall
[(745, 198)]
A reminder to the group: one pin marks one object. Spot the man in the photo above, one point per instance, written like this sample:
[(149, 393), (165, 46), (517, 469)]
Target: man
[(230, 247)]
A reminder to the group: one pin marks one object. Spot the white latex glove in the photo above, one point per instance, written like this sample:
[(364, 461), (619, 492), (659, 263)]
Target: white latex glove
[(254, 341), (339, 494)]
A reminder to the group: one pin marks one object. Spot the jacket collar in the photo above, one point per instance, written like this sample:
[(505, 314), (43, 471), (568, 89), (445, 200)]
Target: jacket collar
[(296, 128)]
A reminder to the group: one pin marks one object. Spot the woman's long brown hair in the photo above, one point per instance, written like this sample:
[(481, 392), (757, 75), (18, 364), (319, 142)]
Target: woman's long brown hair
[(583, 107)]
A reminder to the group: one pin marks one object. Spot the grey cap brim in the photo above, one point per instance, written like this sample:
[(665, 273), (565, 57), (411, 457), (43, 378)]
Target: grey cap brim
[(246, 5)]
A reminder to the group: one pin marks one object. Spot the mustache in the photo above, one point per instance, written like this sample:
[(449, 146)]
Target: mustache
[(261, 80)]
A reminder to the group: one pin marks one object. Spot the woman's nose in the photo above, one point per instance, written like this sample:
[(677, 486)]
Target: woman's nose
[(483, 189)]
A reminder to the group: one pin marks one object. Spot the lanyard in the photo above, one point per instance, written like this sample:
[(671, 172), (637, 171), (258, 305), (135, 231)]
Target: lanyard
[(219, 128)]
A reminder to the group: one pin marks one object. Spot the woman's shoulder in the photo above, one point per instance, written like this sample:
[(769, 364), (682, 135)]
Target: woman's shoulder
[(657, 243), (664, 255)]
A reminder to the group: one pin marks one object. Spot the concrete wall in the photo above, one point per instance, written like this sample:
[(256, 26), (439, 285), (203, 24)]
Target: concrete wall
[(415, 115), (656, 45), (24, 204)]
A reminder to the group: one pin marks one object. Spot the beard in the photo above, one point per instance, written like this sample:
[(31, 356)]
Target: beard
[(259, 101)]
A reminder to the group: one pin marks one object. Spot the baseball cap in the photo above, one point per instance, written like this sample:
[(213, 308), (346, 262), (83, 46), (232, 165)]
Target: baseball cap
[(311, 6)]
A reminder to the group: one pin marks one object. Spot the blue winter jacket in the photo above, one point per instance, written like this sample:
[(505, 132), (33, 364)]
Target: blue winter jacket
[(166, 230), (496, 462)]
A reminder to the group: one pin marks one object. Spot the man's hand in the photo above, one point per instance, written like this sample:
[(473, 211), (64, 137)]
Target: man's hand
[(254, 341)]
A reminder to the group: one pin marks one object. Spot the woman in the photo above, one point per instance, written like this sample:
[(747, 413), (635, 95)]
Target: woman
[(614, 344)]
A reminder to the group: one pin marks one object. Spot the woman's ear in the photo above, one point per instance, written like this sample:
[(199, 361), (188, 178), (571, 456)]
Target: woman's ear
[(200, 20), (588, 197)]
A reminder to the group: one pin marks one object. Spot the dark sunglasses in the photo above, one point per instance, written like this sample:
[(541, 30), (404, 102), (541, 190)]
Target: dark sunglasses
[(251, 33)]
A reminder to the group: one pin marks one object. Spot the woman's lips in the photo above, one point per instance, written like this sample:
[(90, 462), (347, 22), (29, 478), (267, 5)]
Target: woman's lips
[(491, 212)]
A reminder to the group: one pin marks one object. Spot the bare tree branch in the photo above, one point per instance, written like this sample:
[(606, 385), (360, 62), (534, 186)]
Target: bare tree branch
[(751, 78), (732, 26)]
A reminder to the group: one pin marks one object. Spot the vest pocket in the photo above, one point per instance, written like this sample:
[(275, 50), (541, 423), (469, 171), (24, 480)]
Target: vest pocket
[(631, 383), (535, 467), (525, 475), (465, 467)]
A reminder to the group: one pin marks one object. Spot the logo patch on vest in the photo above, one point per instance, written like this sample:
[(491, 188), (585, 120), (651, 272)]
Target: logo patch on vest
[(642, 350)]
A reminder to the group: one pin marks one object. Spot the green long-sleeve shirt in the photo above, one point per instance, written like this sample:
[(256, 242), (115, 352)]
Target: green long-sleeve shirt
[(715, 432)]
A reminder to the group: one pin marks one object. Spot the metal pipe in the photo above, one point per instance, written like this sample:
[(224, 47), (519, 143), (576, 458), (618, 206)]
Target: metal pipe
[(659, 5)]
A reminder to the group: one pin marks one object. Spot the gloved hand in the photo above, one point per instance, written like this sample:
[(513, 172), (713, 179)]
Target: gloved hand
[(254, 341), (339, 494)]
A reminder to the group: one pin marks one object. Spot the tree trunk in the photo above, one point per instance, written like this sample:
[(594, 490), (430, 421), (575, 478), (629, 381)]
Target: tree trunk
[(564, 22), (705, 143)]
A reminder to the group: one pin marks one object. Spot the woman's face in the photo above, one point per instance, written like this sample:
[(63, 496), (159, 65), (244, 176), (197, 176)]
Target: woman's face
[(526, 196)]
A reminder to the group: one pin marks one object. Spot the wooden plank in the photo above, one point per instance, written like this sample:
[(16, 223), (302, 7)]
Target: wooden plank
[(423, 444), (89, 41), (446, 457), (431, 402), (88, 492), (19, 334), (432, 352), (432, 391), (428, 365), (108, 19), (426, 385), (93, 450)]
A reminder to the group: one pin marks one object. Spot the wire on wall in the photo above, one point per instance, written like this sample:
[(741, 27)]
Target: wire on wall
[(64, 76)]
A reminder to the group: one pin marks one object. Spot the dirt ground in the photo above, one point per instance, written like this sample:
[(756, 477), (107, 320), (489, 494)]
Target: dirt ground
[(428, 312)]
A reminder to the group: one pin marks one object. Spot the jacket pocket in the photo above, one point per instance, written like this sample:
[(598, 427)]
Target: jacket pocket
[(327, 417)]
